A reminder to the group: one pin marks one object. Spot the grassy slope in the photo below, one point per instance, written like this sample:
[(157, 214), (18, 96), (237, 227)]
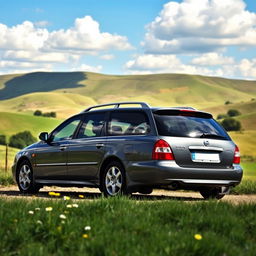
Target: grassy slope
[(150, 228), (11, 123)]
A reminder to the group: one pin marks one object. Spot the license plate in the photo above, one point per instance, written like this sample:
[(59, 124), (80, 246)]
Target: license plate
[(205, 157)]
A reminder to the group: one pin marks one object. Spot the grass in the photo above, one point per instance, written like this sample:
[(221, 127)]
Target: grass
[(11, 123), (120, 226)]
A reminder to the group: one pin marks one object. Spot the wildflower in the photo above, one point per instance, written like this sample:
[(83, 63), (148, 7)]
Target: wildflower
[(66, 212), (62, 216), (85, 236), (81, 196), (59, 228), (87, 228), (48, 209), (66, 197), (51, 193), (198, 237), (63, 222), (57, 194), (75, 205), (31, 212), (69, 206), (39, 222), (37, 209)]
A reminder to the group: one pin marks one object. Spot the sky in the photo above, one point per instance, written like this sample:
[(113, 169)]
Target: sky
[(206, 37)]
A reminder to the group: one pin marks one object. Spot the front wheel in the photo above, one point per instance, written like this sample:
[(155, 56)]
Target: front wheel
[(213, 193), (113, 181), (25, 179)]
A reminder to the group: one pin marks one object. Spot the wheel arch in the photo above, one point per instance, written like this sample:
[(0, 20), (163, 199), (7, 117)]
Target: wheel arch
[(106, 161), (22, 159)]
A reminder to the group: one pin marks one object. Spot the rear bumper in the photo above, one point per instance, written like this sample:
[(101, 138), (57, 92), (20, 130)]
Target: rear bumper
[(157, 173)]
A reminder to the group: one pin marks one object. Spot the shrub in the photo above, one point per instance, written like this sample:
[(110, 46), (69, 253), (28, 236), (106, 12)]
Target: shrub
[(221, 116), (2, 140), (228, 102), (231, 124), (233, 112), (22, 139), (38, 113), (49, 114)]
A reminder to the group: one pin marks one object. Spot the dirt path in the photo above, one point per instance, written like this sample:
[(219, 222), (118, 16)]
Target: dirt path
[(10, 192)]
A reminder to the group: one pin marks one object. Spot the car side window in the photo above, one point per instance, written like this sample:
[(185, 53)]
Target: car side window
[(66, 131), (128, 123), (92, 125)]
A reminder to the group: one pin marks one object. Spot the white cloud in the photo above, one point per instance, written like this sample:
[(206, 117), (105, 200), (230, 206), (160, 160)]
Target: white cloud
[(30, 43), (200, 26), (86, 36), (107, 56), (42, 23), (212, 59), (149, 63), (88, 68)]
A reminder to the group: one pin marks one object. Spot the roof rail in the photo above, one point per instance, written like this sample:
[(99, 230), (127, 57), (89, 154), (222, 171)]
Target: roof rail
[(188, 108), (117, 105)]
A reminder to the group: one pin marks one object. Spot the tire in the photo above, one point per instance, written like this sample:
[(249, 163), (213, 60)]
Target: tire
[(212, 193), (113, 180), (25, 179)]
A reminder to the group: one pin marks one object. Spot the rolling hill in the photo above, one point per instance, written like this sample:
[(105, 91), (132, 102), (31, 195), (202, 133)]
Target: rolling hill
[(70, 92)]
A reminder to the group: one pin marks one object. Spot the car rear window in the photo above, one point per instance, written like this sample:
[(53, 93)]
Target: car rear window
[(189, 126)]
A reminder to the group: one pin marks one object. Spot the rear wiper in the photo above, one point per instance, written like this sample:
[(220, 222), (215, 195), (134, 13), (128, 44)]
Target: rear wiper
[(211, 135)]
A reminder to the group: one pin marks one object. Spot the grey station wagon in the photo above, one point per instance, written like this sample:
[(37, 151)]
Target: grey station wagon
[(128, 147)]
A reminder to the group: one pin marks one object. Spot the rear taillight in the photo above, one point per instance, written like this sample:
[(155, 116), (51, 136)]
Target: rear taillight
[(236, 156), (162, 151)]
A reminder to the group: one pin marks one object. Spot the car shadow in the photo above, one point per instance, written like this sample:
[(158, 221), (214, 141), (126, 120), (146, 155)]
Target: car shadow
[(93, 195)]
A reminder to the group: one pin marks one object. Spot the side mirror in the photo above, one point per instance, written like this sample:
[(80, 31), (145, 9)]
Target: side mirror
[(44, 136)]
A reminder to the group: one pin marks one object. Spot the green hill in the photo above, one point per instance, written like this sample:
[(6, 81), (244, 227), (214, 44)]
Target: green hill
[(11, 123), (159, 89), (70, 92)]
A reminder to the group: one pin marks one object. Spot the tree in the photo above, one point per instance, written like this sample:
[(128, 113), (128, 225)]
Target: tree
[(38, 113), (233, 112), (2, 140), (22, 139), (231, 124)]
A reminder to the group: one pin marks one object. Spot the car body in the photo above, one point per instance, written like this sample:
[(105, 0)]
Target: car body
[(130, 147)]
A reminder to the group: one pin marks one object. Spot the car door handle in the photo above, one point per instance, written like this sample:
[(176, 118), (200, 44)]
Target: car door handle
[(99, 145), (63, 147)]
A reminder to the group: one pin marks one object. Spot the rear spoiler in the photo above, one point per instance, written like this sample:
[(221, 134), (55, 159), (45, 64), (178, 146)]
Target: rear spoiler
[(182, 112)]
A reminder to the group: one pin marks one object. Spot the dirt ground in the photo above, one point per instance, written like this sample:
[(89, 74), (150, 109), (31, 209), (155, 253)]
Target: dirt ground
[(10, 192)]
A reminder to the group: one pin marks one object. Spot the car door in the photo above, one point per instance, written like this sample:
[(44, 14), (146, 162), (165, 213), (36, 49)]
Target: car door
[(86, 151), (51, 157)]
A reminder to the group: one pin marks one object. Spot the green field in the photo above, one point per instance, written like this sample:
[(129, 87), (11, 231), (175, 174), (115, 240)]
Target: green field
[(104, 227)]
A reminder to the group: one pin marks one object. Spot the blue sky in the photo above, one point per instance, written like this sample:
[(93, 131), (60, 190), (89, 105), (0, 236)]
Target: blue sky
[(208, 37)]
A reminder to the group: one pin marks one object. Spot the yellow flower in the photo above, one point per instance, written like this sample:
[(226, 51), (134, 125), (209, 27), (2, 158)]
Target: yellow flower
[(51, 193), (57, 194), (59, 228), (69, 206), (48, 209), (81, 196), (75, 205), (85, 236), (31, 212), (198, 237), (66, 197)]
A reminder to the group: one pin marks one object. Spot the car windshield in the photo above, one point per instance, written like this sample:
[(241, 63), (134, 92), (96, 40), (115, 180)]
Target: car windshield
[(189, 126)]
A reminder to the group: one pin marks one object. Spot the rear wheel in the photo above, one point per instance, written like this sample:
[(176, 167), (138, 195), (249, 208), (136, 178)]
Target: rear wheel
[(212, 193), (25, 178), (113, 180)]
